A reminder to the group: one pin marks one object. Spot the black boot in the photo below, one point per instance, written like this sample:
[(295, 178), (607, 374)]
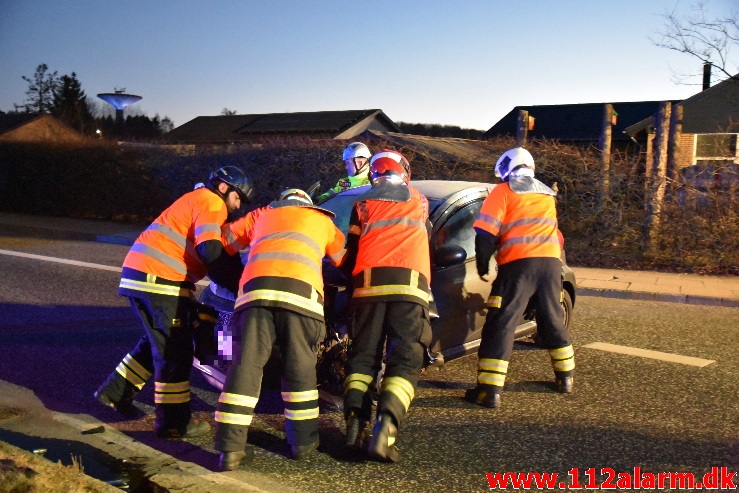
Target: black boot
[(355, 430), (299, 452), (565, 384), (382, 443), (231, 461), (124, 407), (485, 397), (195, 428)]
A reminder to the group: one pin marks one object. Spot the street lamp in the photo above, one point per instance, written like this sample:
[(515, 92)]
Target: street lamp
[(100, 134)]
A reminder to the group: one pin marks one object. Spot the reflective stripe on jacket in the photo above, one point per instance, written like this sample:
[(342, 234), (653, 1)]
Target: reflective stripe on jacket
[(166, 249), (525, 224), (393, 252), (284, 267)]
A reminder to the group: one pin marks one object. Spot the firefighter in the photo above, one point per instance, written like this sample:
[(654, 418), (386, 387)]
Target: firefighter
[(518, 220), (356, 157), (280, 301), (159, 274), (388, 257)]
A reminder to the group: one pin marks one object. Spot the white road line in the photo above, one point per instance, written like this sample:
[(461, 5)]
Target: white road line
[(60, 260), (72, 262), (646, 353)]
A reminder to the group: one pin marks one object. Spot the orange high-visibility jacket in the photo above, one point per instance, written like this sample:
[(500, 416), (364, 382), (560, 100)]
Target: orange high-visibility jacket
[(163, 259), (236, 234), (525, 224), (393, 251), (284, 266)]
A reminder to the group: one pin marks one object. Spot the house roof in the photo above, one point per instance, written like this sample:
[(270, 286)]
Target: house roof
[(731, 84), (230, 128), (11, 121), (36, 127), (574, 122)]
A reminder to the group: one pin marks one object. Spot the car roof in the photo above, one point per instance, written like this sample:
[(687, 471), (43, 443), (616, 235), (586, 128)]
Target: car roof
[(441, 194), (438, 190)]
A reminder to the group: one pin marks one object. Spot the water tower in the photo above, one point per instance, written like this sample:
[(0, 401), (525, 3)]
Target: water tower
[(119, 99)]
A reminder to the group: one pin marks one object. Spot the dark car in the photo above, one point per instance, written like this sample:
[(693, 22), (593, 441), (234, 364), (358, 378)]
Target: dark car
[(459, 293)]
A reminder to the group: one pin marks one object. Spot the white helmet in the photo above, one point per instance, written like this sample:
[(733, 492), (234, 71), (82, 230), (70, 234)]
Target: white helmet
[(296, 194), (512, 159), (356, 149)]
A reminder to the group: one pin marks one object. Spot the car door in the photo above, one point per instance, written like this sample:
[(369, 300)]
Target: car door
[(458, 291)]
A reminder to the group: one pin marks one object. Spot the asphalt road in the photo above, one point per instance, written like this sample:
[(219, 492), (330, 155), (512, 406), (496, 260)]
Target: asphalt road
[(63, 329)]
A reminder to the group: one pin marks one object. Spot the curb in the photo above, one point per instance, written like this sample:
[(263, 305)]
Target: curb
[(127, 238), (116, 240), (650, 296), (123, 238), (21, 412)]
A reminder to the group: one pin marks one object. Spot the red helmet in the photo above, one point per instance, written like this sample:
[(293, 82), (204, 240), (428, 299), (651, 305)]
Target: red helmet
[(390, 166)]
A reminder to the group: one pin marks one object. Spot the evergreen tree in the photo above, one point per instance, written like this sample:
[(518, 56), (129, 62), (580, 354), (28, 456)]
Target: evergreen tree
[(40, 93), (70, 104), (436, 130)]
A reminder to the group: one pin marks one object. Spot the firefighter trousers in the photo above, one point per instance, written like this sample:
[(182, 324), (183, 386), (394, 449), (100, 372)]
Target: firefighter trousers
[(298, 338), (517, 283), (166, 351), (399, 331), (131, 374)]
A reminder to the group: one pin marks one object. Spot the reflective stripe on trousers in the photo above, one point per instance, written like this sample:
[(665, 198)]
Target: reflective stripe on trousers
[(298, 337)]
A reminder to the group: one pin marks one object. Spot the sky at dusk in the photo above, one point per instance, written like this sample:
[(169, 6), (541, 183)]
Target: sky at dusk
[(461, 62)]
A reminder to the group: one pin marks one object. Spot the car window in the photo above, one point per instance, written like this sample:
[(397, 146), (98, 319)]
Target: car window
[(342, 205), (457, 229)]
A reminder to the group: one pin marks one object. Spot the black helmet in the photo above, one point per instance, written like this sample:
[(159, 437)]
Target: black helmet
[(236, 178)]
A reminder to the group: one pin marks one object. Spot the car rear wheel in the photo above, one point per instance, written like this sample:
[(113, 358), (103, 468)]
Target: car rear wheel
[(566, 312)]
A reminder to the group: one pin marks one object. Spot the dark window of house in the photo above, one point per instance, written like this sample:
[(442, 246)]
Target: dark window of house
[(715, 146)]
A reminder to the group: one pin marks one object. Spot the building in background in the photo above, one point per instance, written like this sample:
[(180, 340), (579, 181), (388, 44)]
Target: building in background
[(36, 127), (228, 130)]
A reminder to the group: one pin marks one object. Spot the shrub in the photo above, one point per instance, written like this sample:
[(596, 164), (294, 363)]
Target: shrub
[(134, 184)]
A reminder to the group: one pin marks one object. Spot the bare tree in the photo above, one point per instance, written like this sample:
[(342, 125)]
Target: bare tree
[(166, 125), (709, 39), (40, 92)]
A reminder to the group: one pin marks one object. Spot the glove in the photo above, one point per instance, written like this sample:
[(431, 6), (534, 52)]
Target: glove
[(484, 249), (483, 267)]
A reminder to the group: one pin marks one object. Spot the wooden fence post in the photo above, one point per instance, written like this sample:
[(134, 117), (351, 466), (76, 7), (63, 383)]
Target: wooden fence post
[(657, 179), (605, 155), (673, 148), (522, 128)]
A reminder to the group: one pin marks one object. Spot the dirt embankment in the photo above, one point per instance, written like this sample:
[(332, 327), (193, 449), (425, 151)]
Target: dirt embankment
[(22, 472)]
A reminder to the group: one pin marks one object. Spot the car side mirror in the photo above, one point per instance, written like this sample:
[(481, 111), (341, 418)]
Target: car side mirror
[(448, 255)]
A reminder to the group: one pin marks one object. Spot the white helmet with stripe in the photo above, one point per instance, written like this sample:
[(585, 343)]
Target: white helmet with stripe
[(512, 159)]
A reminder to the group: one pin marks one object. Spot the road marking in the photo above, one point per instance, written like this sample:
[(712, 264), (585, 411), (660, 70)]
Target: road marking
[(60, 260), (646, 353), (73, 262)]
